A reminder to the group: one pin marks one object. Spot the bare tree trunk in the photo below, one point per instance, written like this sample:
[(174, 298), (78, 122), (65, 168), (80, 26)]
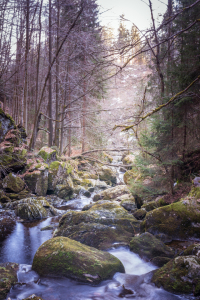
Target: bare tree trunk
[(24, 105), (38, 58), (57, 124), (50, 79)]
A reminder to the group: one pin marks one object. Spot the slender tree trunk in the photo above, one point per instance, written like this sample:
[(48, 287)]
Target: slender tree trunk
[(25, 111), (50, 79), (38, 57), (57, 124)]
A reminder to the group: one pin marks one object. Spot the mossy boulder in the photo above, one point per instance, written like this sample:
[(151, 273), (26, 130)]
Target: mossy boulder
[(8, 277), (37, 181), (12, 158), (6, 124), (106, 213), (107, 174), (149, 247), (64, 257), (180, 275), (100, 236), (34, 208), (13, 183), (178, 220), (112, 193), (60, 178), (48, 154), (128, 159), (65, 190)]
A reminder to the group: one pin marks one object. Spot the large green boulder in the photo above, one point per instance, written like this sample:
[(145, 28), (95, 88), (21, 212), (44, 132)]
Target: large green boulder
[(178, 220), (6, 124), (8, 277), (100, 236), (13, 183), (102, 226), (180, 275), (110, 214), (149, 247), (64, 257)]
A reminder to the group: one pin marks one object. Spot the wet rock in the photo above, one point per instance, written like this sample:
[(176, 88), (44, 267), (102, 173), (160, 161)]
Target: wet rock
[(148, 247), (13, 183), (87, 194), (112, 193), (34, 208), (37, 181), (61, 256), (7, 224), (48, 154), (178, 220), (107, 174), (6, 124), (99, 236), (180, 275), (8, 277), (110, 214), (140, 214)]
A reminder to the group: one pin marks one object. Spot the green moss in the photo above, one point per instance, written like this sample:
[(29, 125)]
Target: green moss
[(54, 165), (195, 192)]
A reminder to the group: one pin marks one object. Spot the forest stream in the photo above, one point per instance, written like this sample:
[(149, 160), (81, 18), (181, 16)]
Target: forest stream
[(20, 247)]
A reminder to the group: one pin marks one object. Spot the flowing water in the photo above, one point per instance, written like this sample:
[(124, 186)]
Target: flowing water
[(21, 245)]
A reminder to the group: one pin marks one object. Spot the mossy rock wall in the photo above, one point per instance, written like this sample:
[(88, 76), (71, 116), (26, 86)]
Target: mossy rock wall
[(61, 256)]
